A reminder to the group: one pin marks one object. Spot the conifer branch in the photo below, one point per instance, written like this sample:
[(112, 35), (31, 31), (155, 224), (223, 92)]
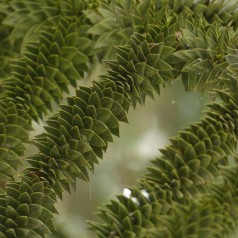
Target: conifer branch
[(191, 180)]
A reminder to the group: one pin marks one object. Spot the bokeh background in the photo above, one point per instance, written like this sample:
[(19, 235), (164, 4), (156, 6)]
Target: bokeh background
[(149, 129)]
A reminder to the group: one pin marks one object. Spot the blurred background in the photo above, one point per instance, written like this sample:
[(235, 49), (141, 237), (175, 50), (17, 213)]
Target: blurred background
[(149, 129)]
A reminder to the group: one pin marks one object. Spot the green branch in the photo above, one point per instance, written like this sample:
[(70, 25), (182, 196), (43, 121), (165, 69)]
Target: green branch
[(160, 46)]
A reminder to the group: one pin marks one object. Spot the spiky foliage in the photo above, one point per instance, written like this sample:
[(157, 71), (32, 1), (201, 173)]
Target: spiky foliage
[(26, 209), (48, 67), (14, 127), (189, 189), (77, 136), (114, 22), (182, 175), (194, 158), (44, 49), (22, 21), (203, 52)]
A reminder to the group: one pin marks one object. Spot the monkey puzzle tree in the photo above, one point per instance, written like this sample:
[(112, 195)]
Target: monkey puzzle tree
[(189, 191)]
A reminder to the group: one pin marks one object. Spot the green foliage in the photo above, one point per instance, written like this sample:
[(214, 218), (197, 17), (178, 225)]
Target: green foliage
[(115, 22), (191, 190), (27, 209), (48, 67), (144, 65), (22, 22), (77, 136), (43, 51), (14, 129), (203, 58), (188, 169)]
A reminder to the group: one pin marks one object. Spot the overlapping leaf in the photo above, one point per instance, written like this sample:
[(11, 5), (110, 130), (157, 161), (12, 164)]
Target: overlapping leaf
[(189, 164), (14, 128), (56, 57), (48, 67), (146, 64), (202, 54), (26, 209), (224, 12), (184, 172), (115, 22), (77, 136), (187, 182), (21, 21)]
